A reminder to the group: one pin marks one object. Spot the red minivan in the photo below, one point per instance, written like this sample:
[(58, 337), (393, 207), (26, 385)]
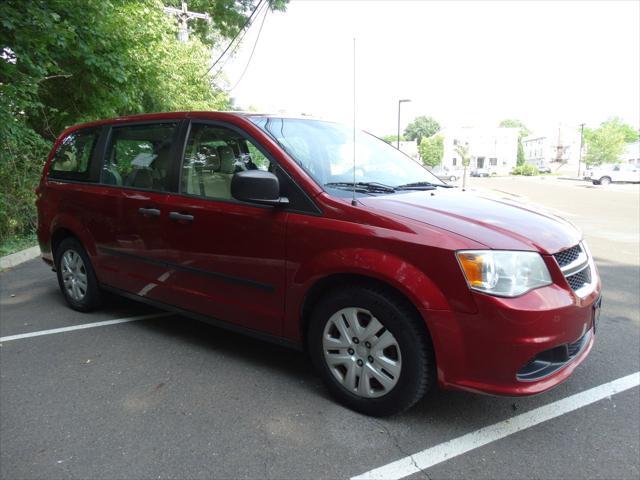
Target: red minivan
[(274, 226)]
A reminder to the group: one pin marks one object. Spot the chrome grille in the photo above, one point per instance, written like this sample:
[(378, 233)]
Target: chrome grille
[(567, 256), (580, 279), (575, 266)]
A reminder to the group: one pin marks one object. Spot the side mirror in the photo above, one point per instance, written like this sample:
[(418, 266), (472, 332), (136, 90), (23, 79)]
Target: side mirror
[(257, 186)]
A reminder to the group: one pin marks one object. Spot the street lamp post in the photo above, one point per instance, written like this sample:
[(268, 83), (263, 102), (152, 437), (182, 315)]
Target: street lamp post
[(400, 102), (581, 147)]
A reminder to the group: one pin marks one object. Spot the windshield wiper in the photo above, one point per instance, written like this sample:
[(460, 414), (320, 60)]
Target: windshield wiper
[(422, 186), (369, 187)]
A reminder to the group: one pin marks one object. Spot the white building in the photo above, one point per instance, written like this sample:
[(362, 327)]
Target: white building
[(560, 145), (494, 149), (631, 154), (409, 147)]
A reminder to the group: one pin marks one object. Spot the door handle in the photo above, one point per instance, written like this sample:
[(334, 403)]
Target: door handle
[(149, 212), (177, 216)]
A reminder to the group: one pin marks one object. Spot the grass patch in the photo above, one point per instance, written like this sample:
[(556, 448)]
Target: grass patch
[(16, 243)]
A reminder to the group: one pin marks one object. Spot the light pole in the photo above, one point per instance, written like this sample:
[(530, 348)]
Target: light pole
[(400, 102), (581, 146)]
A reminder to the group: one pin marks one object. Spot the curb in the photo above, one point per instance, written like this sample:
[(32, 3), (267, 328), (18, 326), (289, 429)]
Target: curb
[(19, 257)]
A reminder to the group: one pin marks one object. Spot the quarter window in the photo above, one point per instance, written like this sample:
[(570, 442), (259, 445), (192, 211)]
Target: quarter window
[(140, 156), (72, 160), (212, 156)]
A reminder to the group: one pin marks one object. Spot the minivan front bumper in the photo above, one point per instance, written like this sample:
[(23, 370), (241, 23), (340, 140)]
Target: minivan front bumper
[(515, 346)]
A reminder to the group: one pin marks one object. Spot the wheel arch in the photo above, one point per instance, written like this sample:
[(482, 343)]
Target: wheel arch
[(65, 226), (325, 285), (58, 236)]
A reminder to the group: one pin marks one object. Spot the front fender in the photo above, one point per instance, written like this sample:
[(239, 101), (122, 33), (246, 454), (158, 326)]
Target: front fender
[(382, 266)]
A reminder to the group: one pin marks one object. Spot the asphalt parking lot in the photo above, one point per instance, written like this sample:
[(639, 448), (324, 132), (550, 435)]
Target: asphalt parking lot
[(168, 397)]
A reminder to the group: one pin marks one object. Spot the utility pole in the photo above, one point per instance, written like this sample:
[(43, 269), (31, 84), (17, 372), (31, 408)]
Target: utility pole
[(400, 102), (581, 144), (184, 15)]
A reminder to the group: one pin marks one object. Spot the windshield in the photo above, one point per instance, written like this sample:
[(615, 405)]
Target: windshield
[(325, 151)]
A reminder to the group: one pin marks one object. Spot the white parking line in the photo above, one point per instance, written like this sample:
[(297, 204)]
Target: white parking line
[(83, 326), (448, 450)]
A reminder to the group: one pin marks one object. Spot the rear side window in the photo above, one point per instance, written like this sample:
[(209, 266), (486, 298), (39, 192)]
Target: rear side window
[(140, 156), (72, 160)]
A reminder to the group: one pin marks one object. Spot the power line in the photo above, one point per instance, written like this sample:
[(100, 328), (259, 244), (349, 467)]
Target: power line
[(238, 43), (236, 36), (255, 44)]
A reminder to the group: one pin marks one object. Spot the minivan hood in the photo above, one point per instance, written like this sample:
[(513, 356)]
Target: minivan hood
[(495, 222)]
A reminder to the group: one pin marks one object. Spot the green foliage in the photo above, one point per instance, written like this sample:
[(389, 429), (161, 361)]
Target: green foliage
[(68, 61), (520, 156), (228, 16), (523, 132), (463, 151), (16, 243), (431, 150), (421, 127), (515, 123), (525, 169), (606, 143), (21, 157), (125, 60), (393, 139)]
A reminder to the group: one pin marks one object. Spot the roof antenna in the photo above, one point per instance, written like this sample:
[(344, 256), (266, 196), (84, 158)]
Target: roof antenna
[(353, 198)]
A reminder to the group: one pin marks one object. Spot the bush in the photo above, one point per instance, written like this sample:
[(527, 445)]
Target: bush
[(526, 169), (22, 155)]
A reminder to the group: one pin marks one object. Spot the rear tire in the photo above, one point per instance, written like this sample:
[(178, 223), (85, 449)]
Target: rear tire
[(605, 181), (76, 277), (393, 356)]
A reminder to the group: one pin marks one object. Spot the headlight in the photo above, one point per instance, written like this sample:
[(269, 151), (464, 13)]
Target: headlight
[(503, 273)]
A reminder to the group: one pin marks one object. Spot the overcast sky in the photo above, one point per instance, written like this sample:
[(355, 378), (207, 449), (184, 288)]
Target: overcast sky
[(464, 63)]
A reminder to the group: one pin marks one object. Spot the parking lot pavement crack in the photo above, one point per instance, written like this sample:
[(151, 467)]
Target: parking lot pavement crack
[(400, 448)]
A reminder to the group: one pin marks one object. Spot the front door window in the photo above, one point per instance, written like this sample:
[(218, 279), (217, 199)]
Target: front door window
[(212, 157)]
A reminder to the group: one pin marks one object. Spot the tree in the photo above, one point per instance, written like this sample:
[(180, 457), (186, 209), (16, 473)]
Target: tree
[(515, 123), (606, 143), (520, 157), (523, 131), (229, 16), (431, 150), (421, 127), (67, 61), (463, 151), (630, 134), (392, 139)]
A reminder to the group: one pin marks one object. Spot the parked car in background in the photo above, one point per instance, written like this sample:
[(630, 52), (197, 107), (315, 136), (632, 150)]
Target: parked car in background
[(447, 174), (613, 172), (481, 172), (542, 168), (392, 282)]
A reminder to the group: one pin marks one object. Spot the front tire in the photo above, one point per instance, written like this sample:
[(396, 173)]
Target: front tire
[(372, 352), (76, 277), (605, 181)]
